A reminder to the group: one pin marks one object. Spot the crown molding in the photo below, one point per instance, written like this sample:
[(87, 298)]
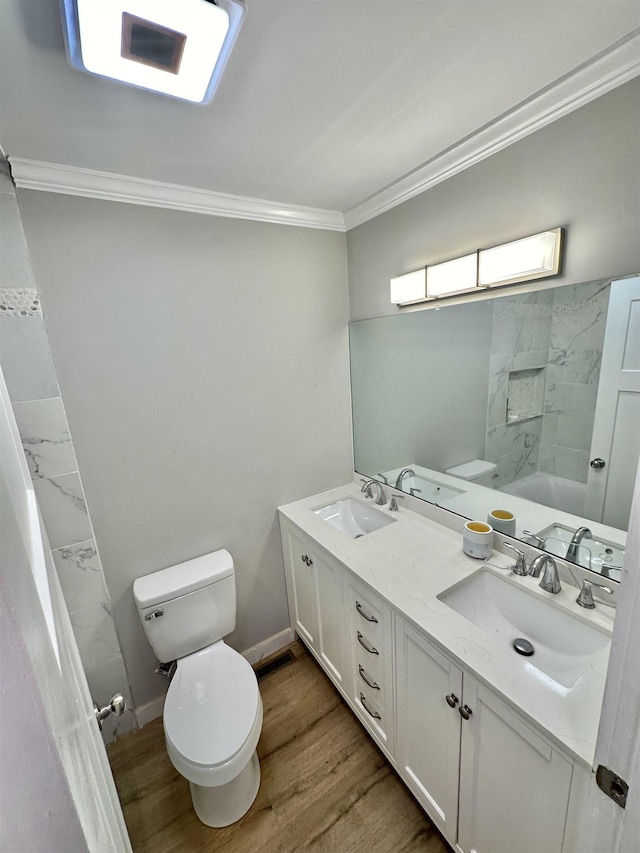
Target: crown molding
[(88, 183), (604, 72)]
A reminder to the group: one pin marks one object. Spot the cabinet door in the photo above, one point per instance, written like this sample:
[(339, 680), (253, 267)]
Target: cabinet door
[(301, 585), (331, 641), (428, 728), (514, 787)]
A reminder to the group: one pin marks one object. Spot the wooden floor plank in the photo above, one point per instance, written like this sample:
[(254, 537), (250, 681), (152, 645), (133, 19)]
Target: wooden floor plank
[(325, 787)]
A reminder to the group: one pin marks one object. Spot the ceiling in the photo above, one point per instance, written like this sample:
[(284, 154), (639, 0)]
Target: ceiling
[(324, 103)]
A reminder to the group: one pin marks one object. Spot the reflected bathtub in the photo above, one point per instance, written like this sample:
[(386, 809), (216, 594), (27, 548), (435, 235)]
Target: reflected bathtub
[(554, 492)]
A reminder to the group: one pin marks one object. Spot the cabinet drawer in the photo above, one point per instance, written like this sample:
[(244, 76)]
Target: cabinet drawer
[(368, 615), (370, 680), (376, 718)]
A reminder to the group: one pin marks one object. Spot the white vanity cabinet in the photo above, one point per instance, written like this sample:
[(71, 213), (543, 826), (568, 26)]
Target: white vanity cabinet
[(314, 590), (487, 780)]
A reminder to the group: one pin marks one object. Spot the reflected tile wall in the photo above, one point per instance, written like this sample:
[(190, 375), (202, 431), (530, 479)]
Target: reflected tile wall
[(48, 446), (521, 336), (575, 353)]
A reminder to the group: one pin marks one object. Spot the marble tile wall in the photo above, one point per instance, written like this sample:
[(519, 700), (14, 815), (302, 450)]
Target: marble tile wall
[(575, 353), (520, 342), (33, 388)]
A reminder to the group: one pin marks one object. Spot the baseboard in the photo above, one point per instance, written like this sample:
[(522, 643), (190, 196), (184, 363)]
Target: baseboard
[(150, 712), (269, 646)]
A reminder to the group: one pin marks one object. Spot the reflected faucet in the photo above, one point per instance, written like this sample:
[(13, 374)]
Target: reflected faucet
[(406, 472), (572, 551)]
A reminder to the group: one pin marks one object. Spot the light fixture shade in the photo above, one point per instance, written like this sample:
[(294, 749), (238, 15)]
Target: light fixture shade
[(177, 47), (533, 257), (451, 277), (409, 288)]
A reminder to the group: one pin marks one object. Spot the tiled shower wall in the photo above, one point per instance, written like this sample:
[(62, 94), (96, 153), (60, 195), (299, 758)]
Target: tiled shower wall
[(33, 389)]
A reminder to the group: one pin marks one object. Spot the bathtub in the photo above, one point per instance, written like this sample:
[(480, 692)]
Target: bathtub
[(554, 492)]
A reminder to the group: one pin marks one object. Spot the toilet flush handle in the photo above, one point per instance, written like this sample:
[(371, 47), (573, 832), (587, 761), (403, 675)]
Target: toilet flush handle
[(153, 615)]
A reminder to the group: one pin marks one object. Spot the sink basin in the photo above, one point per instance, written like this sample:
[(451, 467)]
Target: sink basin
[(599, 555), (353, 518), (564, 646)]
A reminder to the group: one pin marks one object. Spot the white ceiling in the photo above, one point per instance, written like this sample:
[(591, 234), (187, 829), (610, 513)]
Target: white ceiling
[(324, 103)]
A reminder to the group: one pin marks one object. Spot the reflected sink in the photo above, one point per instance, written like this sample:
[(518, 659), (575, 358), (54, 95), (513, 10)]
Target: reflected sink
[(602, 554), (564, 646), (353, 518)]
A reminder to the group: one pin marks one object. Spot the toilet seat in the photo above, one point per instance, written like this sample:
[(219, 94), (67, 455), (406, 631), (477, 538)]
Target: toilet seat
[(212, 715)]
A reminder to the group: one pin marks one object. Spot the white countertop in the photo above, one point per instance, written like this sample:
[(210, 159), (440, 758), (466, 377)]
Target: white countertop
[(410, 562)]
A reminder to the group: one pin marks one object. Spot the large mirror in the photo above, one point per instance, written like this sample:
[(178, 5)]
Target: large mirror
[(540, 392)]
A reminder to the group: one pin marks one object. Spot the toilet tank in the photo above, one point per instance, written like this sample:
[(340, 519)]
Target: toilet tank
[(478, 471), (188, 606)]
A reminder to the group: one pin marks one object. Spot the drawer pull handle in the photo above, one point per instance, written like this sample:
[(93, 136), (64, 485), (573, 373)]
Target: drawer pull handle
[(371, 649), (364, 615), (363, 675), (371, 713), (452, 700), (465, 712)]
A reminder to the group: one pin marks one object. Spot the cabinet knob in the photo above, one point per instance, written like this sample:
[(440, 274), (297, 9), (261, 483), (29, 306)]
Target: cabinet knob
[(465, 712), (452, 700), (597, 463)]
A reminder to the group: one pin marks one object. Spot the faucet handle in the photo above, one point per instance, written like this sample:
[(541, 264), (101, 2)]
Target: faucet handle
[(393, 503), (520, 567), (539, 540), (585, 599)]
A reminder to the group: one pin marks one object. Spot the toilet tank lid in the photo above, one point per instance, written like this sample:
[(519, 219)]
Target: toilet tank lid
[(182, 578), (472, 470)]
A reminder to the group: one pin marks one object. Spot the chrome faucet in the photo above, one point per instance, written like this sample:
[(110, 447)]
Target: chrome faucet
[(383, 478), (550, 580), (367, 488), (406, 472), (572, 551)]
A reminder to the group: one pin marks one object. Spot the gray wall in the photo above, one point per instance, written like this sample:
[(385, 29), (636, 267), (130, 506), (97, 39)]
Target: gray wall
[(582, 172), (203, 365), (416, 398)]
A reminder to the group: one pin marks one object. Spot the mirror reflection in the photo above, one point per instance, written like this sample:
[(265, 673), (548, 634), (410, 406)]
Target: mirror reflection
[(523, 410)]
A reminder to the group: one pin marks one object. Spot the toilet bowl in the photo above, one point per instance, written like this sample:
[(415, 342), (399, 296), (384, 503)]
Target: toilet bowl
[(213, 709)]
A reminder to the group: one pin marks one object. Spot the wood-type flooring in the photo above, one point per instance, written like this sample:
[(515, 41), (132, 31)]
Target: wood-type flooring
[(325, 786)]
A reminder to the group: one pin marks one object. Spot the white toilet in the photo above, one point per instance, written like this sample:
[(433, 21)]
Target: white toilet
[(478, 471), (213, 709)]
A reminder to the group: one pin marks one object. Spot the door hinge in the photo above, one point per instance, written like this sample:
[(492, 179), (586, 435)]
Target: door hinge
[(613, 785)]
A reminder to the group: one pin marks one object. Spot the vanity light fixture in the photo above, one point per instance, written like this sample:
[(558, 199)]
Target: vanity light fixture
[(533, 257), (177, 47), (530, 258), (409, 288), (452, 277)]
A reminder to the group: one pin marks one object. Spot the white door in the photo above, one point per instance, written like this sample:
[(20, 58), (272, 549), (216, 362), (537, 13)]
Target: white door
[(616, 429), (31, 592)]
